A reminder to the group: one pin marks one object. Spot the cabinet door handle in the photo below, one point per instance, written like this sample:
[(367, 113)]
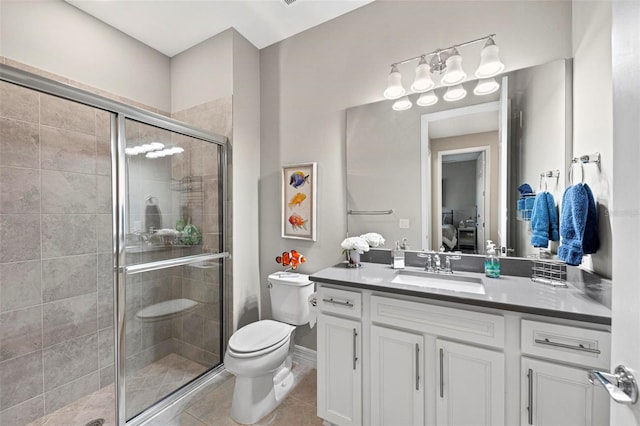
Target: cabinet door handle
[(564, 345), (441, 373), (355, 358), (338, 302), (530, 407), (417, 367)]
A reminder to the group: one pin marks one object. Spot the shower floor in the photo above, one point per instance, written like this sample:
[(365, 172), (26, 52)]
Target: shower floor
[(144, 387)]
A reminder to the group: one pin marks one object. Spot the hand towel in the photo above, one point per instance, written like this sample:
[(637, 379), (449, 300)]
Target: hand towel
[(554, 234), (525, 188), (573, 219), (591, 239), (540, 221), (529, 202)]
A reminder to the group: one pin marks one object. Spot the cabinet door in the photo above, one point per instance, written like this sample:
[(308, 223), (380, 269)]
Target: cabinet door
[(470, 385), (558, 395), (339, 371), (397, 377)]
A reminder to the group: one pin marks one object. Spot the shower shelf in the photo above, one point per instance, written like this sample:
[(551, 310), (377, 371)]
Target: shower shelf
[(167, 309)]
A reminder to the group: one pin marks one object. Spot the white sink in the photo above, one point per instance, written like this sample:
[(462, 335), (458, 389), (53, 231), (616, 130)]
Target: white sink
[(463, 284)]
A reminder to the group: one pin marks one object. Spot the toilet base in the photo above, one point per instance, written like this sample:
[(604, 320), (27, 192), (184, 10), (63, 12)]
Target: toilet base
[(255, 397)]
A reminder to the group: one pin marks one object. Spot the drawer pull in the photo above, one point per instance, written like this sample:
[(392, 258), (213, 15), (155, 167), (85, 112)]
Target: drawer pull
[(338, 302), (564, 345)]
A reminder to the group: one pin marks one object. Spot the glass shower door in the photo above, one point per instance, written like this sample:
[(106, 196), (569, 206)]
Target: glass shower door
[(173, 257)]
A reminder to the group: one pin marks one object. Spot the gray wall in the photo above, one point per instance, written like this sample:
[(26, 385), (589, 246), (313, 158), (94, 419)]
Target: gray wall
[(310, 79), (459, 183)]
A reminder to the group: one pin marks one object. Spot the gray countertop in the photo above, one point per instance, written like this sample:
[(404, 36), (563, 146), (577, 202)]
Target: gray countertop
[(510, 293)]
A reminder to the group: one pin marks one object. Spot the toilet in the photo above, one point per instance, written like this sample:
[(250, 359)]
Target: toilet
[(260, 354)]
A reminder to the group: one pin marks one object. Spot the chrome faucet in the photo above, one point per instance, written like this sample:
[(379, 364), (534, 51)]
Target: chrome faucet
[(447, 265), (436, 259)]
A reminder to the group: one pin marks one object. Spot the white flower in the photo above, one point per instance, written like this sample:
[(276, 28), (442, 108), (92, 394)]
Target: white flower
[(358, 244), (373, 239)]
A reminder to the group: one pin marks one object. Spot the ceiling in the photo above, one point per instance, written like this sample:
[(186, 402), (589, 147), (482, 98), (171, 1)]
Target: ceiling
[(172, 26)]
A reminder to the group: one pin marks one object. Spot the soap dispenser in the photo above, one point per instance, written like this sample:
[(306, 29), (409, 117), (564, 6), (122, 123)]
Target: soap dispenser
[(398, 256), (491, 262)]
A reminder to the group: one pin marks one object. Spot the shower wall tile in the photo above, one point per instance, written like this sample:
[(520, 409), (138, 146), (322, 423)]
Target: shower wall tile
[(211, 336), (67, 115), (20, 285), (21, 379), (68, 235), (103, 156), (154, 333), (103, 193), (19, 237), (70, 193), (105, 347), (67, 151), (105, 309), (70, 360), (19, 190), (105, 272), (192, 329), (23, 413), (20, 332), (70, 392), (104, 232), (69, 318), (68, 277), (107, 376), (103, 123), (19, 103), (19, 144)]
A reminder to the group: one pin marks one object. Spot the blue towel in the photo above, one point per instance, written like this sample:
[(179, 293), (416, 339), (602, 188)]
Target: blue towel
[(578, 210), (520, 203), (525, 188), (529, 202), (544, 220)]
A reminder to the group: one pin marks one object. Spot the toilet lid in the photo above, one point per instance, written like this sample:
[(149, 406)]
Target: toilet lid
[(259, 335)]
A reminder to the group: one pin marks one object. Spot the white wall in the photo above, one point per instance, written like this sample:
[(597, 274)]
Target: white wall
[(310, 79), (55, 36), (593, 114)]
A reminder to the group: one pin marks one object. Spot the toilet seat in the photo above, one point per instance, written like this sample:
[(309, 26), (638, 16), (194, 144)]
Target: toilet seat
[(259, 338)]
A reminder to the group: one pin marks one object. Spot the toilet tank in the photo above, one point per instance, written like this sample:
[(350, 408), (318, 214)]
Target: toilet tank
[(289, 293)]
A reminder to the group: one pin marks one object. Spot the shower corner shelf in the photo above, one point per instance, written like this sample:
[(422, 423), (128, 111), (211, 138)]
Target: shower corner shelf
[(166, 310)]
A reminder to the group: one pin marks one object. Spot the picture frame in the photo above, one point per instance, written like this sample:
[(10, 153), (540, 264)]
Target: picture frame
[(299, 201)]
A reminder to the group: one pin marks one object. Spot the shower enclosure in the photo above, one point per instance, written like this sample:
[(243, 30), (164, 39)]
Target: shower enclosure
[(112, 256)]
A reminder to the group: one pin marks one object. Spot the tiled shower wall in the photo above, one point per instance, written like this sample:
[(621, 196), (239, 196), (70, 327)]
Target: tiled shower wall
[(56, 289)]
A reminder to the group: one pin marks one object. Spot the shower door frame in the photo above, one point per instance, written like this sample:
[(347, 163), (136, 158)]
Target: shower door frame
[(120, 112)]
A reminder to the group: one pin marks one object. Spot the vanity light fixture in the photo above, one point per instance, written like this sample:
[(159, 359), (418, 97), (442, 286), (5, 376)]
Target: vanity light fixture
[(447, 62), (402, 104), (455, 93), (486, 86), (394, 84), (427, 99)]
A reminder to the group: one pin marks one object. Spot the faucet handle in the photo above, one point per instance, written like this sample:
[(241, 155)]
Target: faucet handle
[(448, 260)]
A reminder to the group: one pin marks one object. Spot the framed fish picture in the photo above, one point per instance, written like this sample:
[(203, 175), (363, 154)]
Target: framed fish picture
[(299, 201)]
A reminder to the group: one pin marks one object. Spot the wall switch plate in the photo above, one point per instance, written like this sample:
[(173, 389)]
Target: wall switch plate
[(404, 224)]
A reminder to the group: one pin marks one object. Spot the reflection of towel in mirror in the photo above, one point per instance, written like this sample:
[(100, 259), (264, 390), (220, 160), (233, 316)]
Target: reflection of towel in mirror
[(578, 224), (544, 220)]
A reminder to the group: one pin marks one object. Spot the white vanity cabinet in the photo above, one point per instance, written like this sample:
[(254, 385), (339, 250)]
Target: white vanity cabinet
[(339, 357), (397, 377), (470, 385), (554, 392)]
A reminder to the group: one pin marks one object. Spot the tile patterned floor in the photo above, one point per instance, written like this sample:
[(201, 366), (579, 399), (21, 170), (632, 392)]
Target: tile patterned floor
[(212, 405), (209, 407)]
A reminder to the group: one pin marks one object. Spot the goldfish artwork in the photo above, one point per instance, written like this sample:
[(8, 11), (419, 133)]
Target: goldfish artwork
[(298, 179), (297, 199), (293, 259), (297, 221)]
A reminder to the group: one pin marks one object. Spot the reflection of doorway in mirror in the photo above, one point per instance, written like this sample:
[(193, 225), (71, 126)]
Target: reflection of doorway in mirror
[(463, 203)]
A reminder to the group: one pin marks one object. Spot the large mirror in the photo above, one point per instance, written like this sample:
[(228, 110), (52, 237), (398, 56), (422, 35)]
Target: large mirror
[(446, 176)]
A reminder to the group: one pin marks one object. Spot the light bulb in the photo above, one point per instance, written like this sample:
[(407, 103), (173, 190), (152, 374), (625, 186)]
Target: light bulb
[(156, 145), (422, 82), (402, 104), (455, 93), (490, 64), (454, 73), (427, 99), (394, 84), (486, 86)]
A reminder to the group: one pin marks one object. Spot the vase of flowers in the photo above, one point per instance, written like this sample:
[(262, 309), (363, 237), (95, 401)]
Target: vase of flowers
[(353, 247)]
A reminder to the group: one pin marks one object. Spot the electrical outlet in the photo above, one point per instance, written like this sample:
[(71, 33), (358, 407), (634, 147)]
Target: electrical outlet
[(404, 224)]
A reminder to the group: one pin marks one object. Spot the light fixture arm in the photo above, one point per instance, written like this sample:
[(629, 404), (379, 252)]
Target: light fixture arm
[(443, 54)]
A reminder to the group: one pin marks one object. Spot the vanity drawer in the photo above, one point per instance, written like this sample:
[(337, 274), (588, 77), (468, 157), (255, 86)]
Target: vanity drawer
[(342, 302), (565, 343), (470, 326)]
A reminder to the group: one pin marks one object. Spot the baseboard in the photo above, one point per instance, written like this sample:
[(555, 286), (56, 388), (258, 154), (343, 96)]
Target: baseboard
[(305, 356)]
